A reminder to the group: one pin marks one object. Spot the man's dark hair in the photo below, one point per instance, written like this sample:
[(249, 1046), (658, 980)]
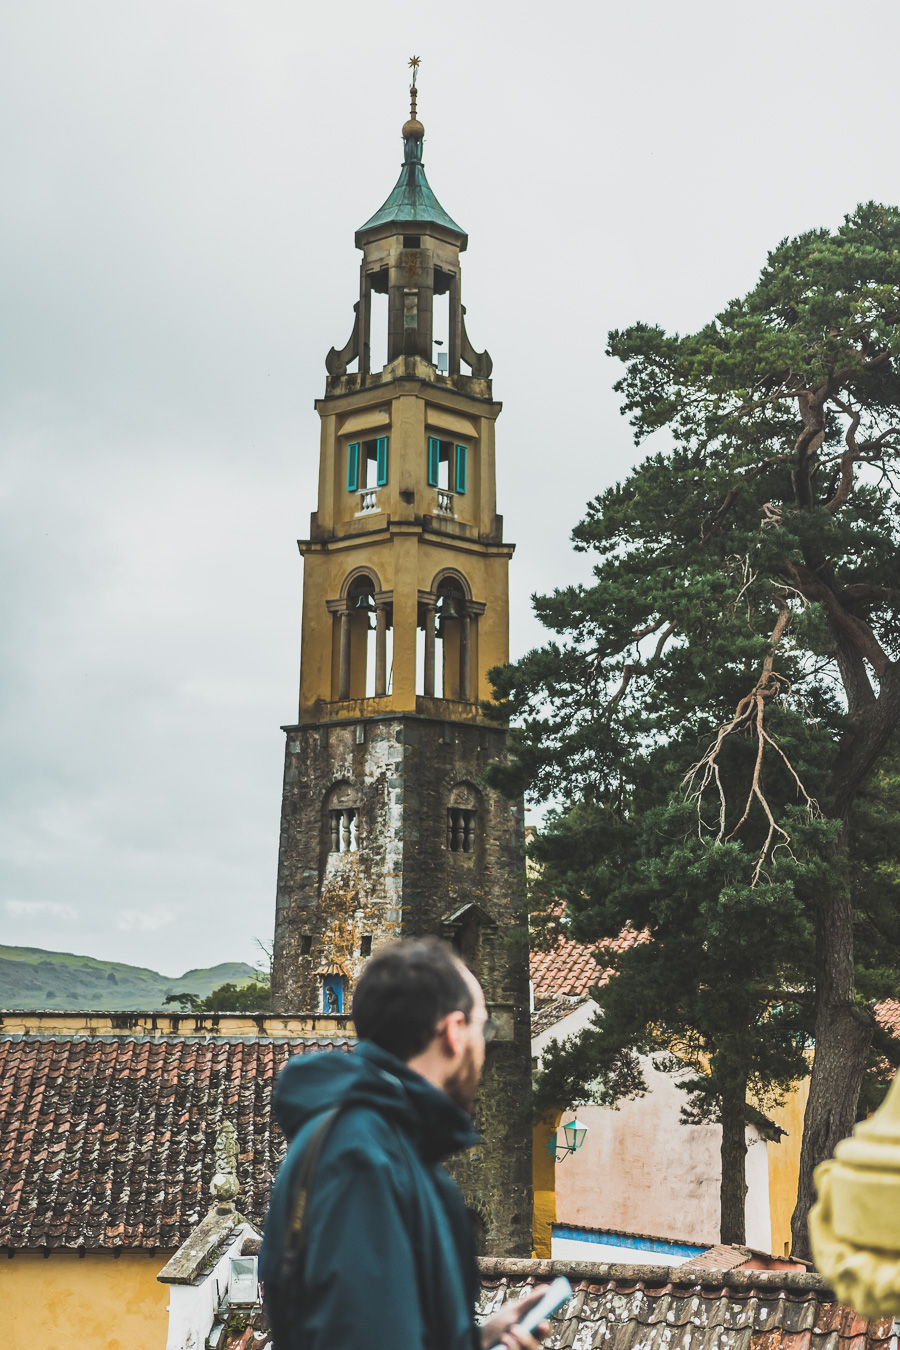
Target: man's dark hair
[(404, 991)]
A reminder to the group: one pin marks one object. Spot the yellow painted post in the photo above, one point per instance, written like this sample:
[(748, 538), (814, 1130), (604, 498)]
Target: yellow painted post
[(544, 1182), (855, 1224)]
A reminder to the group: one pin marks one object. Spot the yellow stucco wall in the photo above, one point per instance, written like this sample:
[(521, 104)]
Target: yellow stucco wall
[(784, 1166), (80, 1023), (544, 1181), (65, 1301)]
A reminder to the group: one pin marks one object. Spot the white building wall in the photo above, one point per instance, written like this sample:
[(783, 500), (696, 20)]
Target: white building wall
[(758, 1214), (192, 1307)]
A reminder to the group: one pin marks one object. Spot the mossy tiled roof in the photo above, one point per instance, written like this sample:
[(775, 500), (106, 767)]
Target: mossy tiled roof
[(644, 1307), (109, 1141), (679, 1308)]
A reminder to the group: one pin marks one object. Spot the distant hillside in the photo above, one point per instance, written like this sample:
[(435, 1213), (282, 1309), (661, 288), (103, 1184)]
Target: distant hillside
[(31, 978)]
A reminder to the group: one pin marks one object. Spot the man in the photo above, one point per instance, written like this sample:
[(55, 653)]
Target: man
[(388, 1260)]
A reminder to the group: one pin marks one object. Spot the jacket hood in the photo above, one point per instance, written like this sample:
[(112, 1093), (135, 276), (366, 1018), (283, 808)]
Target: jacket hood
[(370, 1076)]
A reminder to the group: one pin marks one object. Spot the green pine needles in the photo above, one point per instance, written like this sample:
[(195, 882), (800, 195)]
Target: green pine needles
[(715, 711)]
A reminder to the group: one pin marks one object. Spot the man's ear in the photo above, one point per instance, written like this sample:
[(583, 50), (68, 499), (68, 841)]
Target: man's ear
[(452, 1033)]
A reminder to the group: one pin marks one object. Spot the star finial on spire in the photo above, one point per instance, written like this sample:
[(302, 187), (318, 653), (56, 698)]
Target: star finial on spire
[(414, 63)]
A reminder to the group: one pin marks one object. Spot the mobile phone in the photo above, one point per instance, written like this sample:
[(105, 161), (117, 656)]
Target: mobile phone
[(559, 1291)]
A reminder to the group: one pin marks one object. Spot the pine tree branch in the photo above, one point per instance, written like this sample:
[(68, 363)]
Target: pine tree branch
[(632, 668), (856, 630)]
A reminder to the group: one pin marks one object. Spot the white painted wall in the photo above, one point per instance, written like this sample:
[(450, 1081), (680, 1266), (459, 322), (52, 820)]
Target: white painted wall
[(759, 1217), (192, 1307)]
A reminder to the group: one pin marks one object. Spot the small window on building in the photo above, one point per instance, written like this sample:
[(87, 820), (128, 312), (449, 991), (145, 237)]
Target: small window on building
[(447, 465), (305, 944), (365, 945), (412, 241), (332, 994), (345, 830), (367, 464), (460, 829)]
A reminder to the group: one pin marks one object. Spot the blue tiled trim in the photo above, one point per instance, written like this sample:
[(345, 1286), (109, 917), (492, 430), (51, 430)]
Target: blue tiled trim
[(621, 1240)]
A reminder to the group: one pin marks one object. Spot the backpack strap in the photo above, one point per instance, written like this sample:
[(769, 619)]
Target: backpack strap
[(295, 1241)]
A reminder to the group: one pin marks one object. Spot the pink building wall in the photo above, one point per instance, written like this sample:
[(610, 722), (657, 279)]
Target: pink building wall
[(642, 1171)]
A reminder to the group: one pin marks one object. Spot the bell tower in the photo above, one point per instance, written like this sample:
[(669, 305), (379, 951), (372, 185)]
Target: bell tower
[(388, 828)]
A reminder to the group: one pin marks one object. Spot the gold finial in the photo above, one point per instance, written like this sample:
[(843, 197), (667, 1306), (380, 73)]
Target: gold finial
[(414, 63), (413, 128)]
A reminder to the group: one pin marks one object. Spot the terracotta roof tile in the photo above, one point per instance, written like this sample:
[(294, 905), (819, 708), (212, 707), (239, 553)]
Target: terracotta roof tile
[(108, 1141), (887, 1013), (569, 969), (563, 976)]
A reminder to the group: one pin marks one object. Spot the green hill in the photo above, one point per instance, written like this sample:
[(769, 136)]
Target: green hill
[(31, 978)]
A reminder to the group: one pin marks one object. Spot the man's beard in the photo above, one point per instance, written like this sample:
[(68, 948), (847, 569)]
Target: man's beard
[(463, 1086)]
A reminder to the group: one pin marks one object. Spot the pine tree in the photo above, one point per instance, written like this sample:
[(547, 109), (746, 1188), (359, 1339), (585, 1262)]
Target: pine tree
[(719, 697)]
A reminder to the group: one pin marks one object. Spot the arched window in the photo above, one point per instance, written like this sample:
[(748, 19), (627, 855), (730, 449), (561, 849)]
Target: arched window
[(464, 816), (341, 820), (362, 645), (448, 614)]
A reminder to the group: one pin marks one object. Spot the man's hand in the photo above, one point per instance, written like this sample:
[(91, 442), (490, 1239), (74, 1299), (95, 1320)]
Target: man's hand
[(503, 1327)]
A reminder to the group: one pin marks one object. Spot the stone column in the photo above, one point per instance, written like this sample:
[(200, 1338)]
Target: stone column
[(428, 691), (454, 343), (364, 319), (465, 658), (380, 650), (344, 666)]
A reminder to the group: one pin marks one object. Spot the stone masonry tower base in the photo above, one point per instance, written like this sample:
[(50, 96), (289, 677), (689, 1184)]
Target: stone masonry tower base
[(398, 774)]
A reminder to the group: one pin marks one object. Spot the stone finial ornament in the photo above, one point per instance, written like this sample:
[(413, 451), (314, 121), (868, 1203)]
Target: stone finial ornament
[(855, 1224), (224, 1185)]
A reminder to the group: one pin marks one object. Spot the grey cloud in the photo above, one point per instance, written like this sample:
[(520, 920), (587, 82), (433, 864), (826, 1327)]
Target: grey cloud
[(181, 187)]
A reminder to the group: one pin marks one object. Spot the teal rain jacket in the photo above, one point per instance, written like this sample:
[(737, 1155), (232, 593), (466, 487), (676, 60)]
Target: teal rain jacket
[(389, 1261)]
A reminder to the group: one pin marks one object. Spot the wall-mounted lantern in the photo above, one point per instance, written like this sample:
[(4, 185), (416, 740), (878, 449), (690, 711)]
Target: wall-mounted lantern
[(574, 1132)]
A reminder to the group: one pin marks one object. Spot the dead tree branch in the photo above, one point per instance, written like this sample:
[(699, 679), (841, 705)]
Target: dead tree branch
[(749, 718)]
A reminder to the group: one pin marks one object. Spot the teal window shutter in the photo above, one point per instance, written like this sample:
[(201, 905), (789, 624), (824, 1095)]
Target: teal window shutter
[(460, 468), (381, 470), (434, 459), (353, 466)]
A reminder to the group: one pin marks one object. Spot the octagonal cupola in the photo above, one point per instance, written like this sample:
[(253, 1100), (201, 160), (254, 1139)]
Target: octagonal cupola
[(411, 249)]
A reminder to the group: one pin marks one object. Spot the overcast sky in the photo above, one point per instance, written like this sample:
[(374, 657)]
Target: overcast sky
[(181, 184)]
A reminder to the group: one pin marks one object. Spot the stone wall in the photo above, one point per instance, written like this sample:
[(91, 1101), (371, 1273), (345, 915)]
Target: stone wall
[(400, 775)]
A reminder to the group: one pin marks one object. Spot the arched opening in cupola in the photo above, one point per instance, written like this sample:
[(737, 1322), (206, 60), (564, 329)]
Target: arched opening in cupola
[(362, 647)]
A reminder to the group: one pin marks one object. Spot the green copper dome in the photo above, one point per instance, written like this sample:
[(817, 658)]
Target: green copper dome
[(412, 200)]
